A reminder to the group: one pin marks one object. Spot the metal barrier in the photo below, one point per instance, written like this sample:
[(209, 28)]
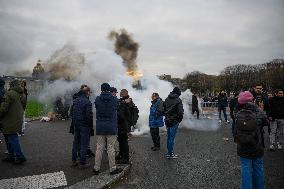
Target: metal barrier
[(209, 104)]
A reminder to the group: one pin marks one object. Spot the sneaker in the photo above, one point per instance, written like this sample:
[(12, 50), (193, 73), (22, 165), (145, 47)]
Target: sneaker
[(220, 121), (74, 164), (228, 121), (172, 156), (272, 148), (95, 171), (19, 161), (279, 146), (116, 171), (8, 160)]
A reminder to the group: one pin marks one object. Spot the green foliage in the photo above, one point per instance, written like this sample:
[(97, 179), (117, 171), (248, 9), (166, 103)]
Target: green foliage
[(36, 108)]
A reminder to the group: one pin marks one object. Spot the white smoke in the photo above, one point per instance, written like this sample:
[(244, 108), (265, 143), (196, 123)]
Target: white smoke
[(106, 66)]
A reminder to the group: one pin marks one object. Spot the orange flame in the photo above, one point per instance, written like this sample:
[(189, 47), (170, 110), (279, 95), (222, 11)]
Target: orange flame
[(136, 75)]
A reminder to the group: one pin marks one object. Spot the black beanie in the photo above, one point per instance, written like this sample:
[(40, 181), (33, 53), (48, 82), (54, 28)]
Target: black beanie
[(105, 87), (177, 91)]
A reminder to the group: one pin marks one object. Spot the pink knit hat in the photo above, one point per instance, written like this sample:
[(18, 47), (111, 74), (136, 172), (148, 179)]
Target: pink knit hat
[(245, 97)]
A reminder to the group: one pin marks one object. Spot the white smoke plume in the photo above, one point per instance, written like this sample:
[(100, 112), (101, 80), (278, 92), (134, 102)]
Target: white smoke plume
[(106, 66)]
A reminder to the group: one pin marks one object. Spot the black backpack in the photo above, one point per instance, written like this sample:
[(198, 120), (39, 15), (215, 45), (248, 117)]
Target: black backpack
[(134, 115), (247, 129)]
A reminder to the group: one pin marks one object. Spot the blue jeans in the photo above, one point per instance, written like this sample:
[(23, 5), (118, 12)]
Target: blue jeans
[(171, 133), (81, 142), (224, 112), (13, 146), (252, 173)]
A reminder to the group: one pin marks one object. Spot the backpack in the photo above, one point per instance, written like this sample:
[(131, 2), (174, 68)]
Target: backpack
[(134, 115), (247, 129)]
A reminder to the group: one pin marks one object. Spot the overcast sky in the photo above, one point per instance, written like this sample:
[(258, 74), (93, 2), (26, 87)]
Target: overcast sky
[(175, 37)]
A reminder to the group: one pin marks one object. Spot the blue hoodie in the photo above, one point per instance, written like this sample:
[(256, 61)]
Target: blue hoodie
[(106, 114)]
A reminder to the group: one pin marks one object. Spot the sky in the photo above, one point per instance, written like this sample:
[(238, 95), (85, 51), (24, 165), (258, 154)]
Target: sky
[(175, 37)]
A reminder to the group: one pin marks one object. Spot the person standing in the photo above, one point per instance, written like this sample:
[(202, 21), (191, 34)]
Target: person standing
[(124, 116), (24, 85), (11, 119), (232, 105), (195, 105), (222, 106), (173, 110), (106, 128), (250, 121), (156, 120), (277, 120), (82, 118)]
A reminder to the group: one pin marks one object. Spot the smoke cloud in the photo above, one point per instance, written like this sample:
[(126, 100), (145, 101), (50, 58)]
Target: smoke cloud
[(66, 63), (127, 48)]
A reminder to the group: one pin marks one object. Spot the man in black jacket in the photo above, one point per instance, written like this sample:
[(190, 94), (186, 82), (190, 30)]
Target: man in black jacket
[(173, 108), (82, 117), (232, 106), (277, 120), (123, 115), (195, 105)]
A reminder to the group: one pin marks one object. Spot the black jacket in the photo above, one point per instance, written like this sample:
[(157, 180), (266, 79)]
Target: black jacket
[(82, 113), (276, 108), (173, 108), (194, 102), (262, 121), (123, 117), (222, 101), (232, 105)]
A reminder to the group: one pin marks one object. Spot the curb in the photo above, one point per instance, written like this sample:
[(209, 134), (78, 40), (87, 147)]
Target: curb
[(103, 180)]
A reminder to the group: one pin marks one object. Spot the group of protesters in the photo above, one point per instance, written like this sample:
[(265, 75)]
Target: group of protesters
[(114, 119)]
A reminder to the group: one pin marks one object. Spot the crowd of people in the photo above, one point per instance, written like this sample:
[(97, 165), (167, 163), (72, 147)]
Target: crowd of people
[(115, 116), (114, 119)]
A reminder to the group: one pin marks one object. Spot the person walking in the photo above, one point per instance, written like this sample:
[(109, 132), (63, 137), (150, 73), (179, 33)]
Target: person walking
[(123, 129), (106, 128), (250, 120), (222, 106), (173, 110), (11, 119), (277, 121), (82, 118), (195, 105), (156, 120)]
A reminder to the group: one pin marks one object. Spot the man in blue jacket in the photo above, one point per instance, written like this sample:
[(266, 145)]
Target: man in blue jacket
[(156, 120), (82, 118), (106, 128)]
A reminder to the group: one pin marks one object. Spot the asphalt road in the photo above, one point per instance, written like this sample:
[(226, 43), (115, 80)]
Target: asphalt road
[(205, 160), (47, 147)]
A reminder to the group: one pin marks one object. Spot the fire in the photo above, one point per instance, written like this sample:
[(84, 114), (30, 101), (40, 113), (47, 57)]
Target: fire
[(136, 75)]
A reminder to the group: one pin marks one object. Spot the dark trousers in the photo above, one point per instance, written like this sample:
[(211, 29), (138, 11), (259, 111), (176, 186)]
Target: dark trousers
[(220, 109), (13, 146), (197, 111), (80, 143), (155, 136), (122, 139)]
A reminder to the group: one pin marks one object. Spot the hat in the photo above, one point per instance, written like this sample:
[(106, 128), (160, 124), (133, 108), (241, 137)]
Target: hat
[(113, 90), (177, 91), (245, 97), (105, 87)]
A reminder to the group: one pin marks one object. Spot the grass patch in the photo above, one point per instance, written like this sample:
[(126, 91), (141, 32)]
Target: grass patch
[(36, 108)]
